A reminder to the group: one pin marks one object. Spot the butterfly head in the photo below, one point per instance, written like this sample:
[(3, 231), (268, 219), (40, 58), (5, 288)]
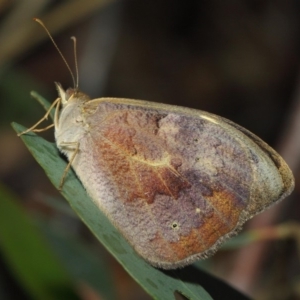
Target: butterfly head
[(70, 95)]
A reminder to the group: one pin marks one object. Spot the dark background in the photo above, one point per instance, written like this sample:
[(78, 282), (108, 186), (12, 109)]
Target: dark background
[(237, 59)]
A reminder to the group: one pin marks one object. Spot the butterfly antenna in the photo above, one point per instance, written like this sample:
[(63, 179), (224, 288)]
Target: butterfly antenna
[(65, 61), (76, 61)]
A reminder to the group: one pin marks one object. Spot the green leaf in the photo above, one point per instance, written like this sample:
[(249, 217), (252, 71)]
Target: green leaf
[(45, 104), (28, 254), (159, 284)]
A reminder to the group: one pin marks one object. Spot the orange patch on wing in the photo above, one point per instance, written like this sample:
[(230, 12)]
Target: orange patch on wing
[(226, 204), (139, 170), (175, 251), (188, 245), (222, 221)]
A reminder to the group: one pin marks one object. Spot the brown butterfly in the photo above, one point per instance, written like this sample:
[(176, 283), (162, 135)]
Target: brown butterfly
[(176, 182)]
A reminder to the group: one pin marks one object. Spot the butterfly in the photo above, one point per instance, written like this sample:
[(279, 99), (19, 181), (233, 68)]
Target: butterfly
[(176, 182)]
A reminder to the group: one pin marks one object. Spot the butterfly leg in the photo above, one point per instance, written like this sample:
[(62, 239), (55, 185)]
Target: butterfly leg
[(75, 146), (33, 128)]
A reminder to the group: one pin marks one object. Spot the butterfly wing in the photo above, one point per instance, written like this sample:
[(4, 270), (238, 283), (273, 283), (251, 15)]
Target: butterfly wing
[(175, 181)]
